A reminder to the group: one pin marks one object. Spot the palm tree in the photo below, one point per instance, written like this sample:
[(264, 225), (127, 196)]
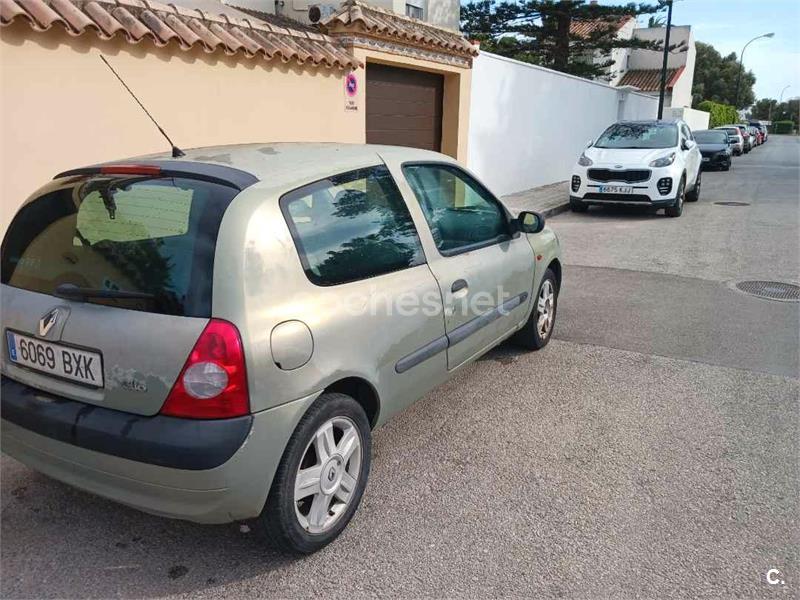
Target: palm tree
[(655, 21)]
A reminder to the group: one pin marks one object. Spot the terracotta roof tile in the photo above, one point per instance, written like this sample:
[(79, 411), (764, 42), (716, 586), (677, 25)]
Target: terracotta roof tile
[(182, 27), (356, 17), (649, 80), (586, 28)]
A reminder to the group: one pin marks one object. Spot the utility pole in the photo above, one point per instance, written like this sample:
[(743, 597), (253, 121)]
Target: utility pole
[(664, 63)]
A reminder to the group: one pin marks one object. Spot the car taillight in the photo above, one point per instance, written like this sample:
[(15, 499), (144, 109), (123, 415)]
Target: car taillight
[(213, 382)]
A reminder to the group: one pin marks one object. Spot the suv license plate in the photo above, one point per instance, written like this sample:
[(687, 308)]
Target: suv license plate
[(54, 359), (616, 189)]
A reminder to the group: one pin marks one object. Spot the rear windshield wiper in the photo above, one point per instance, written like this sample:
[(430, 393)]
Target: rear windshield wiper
[(73, 292)]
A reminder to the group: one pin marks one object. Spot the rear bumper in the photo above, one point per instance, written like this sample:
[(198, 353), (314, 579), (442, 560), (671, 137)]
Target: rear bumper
[(165, 441), (234, 489)]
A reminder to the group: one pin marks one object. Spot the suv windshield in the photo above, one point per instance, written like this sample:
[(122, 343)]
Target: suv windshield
[(711, 137), (639, 135), (152, 237)]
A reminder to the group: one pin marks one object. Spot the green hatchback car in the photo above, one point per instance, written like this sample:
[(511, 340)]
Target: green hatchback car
[(214, 337)]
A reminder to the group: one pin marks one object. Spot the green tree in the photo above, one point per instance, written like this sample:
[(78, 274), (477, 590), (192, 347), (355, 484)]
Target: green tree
[(715, 78), (764, 109), (541, 31)]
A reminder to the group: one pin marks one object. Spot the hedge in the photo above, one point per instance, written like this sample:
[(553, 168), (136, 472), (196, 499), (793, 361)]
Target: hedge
[(782, 126), (721, 114)]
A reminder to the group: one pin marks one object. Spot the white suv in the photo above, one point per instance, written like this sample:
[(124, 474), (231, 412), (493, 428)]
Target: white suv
[(644, 163)]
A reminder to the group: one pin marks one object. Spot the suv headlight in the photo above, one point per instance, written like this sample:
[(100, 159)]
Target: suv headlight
[(664, 161), (585, 161)]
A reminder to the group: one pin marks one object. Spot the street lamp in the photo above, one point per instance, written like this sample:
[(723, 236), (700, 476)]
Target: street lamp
[(741, 62), (783, 90)]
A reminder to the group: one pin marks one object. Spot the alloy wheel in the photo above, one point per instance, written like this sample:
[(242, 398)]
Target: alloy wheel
[(545, 309), (328, 473)]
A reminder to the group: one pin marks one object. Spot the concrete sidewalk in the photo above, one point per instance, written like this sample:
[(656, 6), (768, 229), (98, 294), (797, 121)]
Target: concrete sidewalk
[(548, 200)]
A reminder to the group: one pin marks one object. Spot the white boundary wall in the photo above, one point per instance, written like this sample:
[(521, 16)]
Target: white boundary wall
[(695, 119), (528, 124)]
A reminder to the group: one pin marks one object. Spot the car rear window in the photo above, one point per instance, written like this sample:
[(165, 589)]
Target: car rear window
[(352, 226), (152, 235), (711, 137)]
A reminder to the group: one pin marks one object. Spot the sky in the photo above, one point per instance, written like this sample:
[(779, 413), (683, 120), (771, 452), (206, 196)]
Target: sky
[(729, 24)]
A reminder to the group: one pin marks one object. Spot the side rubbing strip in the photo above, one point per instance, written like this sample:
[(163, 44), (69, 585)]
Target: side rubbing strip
[(462, 332), (458, 334), (427, 351)]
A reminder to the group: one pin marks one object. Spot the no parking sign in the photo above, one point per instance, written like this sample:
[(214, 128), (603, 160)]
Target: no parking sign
[(350, 92)]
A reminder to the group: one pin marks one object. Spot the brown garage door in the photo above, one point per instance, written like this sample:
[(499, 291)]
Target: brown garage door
[(404, 107)]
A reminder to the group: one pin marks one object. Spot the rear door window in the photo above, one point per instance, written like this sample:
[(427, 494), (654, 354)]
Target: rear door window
[(352, 226), (152, 235)]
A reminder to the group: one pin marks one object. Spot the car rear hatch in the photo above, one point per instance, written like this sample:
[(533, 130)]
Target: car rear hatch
[(107, 280)]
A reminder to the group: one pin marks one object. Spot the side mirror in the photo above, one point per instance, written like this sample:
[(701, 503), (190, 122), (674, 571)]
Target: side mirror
[(589, 143), (530, 222), (686, 145)]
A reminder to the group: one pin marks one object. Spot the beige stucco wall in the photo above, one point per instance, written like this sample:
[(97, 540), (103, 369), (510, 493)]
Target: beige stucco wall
[(456, 100), (60, 107)]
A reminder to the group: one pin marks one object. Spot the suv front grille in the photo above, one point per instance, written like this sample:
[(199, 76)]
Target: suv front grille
[(628, 176)]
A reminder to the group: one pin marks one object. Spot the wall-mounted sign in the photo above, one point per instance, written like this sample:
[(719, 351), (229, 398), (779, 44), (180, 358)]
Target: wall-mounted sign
[(351, 92)]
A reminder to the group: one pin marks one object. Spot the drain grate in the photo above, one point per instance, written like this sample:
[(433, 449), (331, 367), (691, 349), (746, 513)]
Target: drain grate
[(774, 290), (729, 203)]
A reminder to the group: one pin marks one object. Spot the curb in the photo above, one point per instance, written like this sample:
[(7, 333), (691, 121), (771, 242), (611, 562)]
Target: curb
[(555, 210)]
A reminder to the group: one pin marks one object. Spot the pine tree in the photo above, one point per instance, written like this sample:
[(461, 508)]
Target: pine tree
[(549, 32)]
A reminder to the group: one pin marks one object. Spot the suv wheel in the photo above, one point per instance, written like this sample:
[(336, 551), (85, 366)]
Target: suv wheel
[(535, 334), (694, 195), (321, 477), (677, 208)]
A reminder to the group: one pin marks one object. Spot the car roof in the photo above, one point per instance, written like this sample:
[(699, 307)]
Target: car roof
[(652, 121), (278, 164), (283, 163)]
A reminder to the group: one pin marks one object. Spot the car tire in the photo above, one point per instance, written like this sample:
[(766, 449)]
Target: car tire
[(305, 524), (578, 206), (538, 330), (727, 167), (694, 195), (677, 208)]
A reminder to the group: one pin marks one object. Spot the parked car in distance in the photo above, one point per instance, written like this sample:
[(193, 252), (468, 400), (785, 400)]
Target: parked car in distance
[(735, 137), (715, 148), (749, 141), (762, 128), (214, 337), (758, 133), (643, 163)]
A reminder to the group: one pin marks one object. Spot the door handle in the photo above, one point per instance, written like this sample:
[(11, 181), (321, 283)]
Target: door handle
[(458, 285)]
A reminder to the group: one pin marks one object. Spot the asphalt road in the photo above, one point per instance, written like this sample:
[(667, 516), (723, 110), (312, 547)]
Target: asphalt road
[(650, 451)]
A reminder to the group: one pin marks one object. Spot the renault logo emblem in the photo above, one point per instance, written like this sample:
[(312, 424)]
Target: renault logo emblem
[(46, 322)]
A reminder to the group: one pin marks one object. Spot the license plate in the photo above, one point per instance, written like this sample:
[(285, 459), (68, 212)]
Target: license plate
[(54, 359), (616, 189), (706, 159)]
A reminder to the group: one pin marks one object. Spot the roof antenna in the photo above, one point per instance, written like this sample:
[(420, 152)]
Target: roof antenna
[(176, 152)]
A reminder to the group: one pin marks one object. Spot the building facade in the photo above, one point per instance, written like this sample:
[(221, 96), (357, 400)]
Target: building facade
[(441, 13)]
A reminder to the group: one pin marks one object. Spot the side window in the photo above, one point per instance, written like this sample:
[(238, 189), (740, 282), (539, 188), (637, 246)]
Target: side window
[(686, 133), (459, 211), (352, 226)]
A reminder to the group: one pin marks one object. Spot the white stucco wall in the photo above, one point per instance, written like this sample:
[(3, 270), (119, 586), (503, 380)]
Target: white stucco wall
[(652, 59), (529, 124), (695, 119), (619, 55)]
